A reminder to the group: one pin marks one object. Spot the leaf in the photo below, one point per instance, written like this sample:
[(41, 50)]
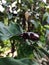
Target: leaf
[(35, 23), (7, 32), (46, 26), (11, 61), (44, 51)]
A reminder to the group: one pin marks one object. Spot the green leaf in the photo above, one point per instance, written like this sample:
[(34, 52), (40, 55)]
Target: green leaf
[(36, 24), (11, 61), (45, 52), (46, 26), (7, 32)]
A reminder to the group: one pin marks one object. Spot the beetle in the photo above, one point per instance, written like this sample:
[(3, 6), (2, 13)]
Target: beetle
[(30, 35)]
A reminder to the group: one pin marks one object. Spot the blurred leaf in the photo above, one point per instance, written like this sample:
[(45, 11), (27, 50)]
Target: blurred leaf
[(7, 32), (46, 26), (11, 61), (35, 23)]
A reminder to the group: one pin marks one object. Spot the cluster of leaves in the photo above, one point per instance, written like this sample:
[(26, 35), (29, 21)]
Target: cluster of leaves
[(22, 30)]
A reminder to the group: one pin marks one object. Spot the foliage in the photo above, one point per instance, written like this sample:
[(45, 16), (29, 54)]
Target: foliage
[(22, 30), (7, 32), (11, 61)]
